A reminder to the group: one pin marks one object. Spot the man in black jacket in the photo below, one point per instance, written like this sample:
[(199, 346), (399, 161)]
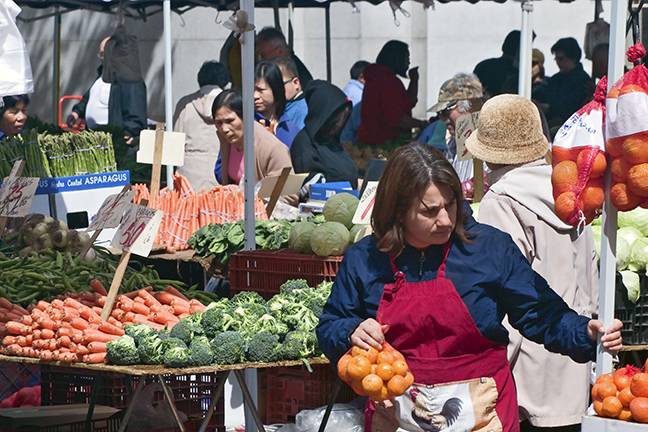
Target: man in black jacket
[(118, 95), (571, 87), (271, 43)]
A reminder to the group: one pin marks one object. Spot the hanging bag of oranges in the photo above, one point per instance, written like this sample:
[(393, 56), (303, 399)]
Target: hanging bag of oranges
[(627, 133), (579, 162)]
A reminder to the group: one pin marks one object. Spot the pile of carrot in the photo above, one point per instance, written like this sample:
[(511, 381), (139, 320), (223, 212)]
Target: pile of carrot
[(71, 330), (186, 211)]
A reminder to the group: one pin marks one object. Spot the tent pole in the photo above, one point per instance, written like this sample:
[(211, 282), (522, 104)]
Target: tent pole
[(327, 17), (249, 182), (526, 46), (607, 277), (168, 81), (275, 11), (56, 66)]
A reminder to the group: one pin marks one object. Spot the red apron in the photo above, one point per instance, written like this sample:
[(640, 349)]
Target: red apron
[(463, 380)]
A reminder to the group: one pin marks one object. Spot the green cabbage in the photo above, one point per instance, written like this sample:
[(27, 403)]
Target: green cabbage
[(631, 282), (596, 234), (330, 238), (300, 237), (639, 255), (358, 232), (622, 247), (341, 208), (637, 218), (629, 234), (622, 254)]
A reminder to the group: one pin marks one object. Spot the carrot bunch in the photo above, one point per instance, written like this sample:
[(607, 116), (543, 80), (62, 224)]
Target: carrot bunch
[(186, 211), (72, 330)]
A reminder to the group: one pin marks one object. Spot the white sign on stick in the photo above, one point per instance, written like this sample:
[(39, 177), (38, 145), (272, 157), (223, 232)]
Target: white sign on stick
[(16, 196), (363, 213), (464, 127), (138, 230), (172, 149), (111, 211)]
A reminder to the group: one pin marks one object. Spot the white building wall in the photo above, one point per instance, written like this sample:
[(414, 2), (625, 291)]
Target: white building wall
[(451, 38)]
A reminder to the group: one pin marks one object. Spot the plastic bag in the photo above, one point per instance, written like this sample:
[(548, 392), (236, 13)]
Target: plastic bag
[(579, 163), (151, 413), (343, 417), (627, 133)]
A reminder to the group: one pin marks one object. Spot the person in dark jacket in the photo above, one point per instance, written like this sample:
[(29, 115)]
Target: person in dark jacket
[(436, 285), (118, 95), (317, 148), (271, 43), (495, 72), (571, 88)]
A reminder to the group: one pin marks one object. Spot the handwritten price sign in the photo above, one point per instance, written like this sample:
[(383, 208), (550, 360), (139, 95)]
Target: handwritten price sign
[(366, 205), (112, 210), (16, 195), (138, 230)]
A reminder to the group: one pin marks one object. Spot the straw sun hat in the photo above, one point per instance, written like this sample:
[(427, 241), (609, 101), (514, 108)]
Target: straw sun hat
[(509, 131)]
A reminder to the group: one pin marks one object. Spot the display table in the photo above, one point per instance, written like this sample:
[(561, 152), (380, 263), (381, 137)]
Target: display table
[(158, 372)]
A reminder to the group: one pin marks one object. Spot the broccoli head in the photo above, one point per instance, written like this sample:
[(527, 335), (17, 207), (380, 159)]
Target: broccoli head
[(201, 352), (213, 318), (172, 342), (293, 284), (150, 350), (263, 347), (299, 345), (269, 324), (122, 351), (228, 348), (139, 331), (186, 329), (177, 357), (246, 298)]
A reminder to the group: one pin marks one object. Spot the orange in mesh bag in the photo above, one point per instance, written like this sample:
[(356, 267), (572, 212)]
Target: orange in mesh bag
[(627, 131), (380, 375), (579, 163)]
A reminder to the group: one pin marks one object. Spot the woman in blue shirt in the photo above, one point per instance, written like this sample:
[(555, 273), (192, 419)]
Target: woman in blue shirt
[(436, 285)]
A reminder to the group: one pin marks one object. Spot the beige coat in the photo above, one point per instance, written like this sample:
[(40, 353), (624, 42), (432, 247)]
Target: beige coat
[(552, 389), (271, 156), (193, 117)]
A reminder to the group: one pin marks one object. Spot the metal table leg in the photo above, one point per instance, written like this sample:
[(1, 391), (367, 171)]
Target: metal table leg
[(247, 398), (171, 400), (221, 378), (336, 390), (97, 382), (129, 410)]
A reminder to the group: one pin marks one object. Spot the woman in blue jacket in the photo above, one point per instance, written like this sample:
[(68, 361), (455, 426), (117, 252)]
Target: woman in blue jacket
[(436, 285)]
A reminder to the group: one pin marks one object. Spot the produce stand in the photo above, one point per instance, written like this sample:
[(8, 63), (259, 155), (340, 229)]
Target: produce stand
[(159, 372)]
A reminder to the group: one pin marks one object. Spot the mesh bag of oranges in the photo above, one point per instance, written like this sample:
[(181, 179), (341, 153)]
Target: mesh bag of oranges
[(579, 163), (380, 375), (622, 395), (627, 133)]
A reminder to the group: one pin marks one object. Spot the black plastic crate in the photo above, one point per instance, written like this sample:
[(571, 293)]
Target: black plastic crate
[(634, 316)]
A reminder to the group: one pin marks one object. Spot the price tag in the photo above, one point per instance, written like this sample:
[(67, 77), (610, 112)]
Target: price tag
[(366, 205), (464, 127), (16, 195), (138, 229), (112, 210)]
